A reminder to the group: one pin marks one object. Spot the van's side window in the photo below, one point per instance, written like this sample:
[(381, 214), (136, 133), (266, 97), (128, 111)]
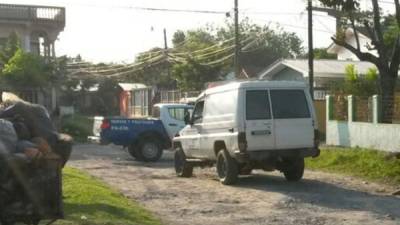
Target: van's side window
[(257, 105), (289, 104), (198, 112)]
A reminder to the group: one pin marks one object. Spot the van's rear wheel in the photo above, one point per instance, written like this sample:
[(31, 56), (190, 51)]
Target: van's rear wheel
[(149, 150), (182, 167), (294, 169), (227, 168)]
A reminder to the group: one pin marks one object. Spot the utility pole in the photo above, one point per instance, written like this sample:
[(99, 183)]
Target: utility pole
[(310, 49), (165, 41), (166, 53), (237, 42)]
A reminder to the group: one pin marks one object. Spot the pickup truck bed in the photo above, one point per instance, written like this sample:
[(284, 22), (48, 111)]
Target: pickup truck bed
[(145, 138)]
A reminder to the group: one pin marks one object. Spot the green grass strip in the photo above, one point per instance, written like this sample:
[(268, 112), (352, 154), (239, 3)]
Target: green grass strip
[(364, 163), (88, 201)]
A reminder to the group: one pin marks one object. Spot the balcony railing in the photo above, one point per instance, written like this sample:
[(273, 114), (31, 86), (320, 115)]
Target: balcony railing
[(34, 14)]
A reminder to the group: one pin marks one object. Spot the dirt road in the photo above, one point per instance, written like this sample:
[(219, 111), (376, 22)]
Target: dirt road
[(263, 198)]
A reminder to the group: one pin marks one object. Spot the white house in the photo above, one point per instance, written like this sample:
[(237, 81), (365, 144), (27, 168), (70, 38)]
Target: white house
[(325, 71), (344, 54)]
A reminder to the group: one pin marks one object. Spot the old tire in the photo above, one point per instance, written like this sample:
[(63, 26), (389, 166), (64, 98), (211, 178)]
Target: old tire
[(182, 167), (294, 170), (227, 168), (149, 150)]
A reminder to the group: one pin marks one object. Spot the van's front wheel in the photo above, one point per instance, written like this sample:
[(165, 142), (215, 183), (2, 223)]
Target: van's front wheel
[(294, 169), (182, 167), (227, 168)]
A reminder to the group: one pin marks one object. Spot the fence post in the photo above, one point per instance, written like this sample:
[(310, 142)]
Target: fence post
[(350, 108), (376, 112), (329, 107)]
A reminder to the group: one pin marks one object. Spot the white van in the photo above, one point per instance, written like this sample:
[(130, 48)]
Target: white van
[(249, 125)]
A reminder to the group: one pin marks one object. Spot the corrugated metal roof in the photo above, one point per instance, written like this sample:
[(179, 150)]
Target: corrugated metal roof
[(322, 68)]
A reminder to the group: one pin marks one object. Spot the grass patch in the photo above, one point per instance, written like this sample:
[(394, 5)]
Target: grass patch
[(78, 126), (88, 201), (368, 164)]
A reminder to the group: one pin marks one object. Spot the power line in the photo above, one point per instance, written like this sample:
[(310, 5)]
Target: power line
[(325, 26), (294, 26), (175, 10)]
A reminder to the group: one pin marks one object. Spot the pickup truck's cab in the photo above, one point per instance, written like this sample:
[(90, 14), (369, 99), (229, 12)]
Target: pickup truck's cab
[(146, 137), (172, 116), (250, 125)]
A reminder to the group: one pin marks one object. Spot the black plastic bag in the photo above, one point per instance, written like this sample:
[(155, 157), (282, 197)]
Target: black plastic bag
[(35, 117), (8, 137)]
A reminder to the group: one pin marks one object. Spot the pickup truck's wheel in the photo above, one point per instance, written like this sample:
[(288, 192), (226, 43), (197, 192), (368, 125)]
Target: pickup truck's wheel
[(133, 152), (149, 150), (227, 168), (294, 170), (182, 167)]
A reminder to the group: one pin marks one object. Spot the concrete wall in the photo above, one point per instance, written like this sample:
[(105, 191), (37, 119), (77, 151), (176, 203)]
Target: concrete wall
[(374, 135)]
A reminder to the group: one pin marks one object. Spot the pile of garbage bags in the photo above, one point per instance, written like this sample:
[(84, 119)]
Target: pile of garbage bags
[(32, 154)]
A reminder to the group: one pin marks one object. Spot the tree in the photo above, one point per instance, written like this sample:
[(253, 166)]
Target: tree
[(10, 48), (320, 53), (179, 38), (384, 39), (26, 70), (193, 76), (266, 46), (107, 97), (206, 54), (364, 85), (211, 48), (154, 69)]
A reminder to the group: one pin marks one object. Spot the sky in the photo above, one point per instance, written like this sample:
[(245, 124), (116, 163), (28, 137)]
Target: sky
[(114, 31)]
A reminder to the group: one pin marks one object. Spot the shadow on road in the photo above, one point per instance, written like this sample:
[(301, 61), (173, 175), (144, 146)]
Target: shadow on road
[(324, 194)]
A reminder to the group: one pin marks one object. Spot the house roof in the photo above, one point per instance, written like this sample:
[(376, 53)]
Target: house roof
[(322, 68), (349, 33), (131, 86)]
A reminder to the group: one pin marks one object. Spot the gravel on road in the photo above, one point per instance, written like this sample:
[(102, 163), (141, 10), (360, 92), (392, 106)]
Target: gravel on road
[(261, 198)]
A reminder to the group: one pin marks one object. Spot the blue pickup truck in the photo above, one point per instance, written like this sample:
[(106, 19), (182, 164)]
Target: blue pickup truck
[(146, 138)]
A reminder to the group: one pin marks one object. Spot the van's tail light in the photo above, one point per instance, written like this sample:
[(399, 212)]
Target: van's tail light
[(316, 138), (105, 125), (242, 142)]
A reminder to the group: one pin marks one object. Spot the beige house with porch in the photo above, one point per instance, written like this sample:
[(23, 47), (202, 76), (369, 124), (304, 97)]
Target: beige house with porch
[(37, 26)]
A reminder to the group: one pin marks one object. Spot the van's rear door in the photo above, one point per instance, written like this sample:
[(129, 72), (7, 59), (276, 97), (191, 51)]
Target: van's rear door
[(260, 133), (293, 121)]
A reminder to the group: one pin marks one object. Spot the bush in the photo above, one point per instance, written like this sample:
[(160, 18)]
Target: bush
[(78, 126)]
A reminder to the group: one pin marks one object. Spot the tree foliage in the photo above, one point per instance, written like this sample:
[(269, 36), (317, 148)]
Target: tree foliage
[(155, 70), (193, 76), (210, 51), (10, 48), (385, 39), (26, 70), (321, 53), (357, 84)]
